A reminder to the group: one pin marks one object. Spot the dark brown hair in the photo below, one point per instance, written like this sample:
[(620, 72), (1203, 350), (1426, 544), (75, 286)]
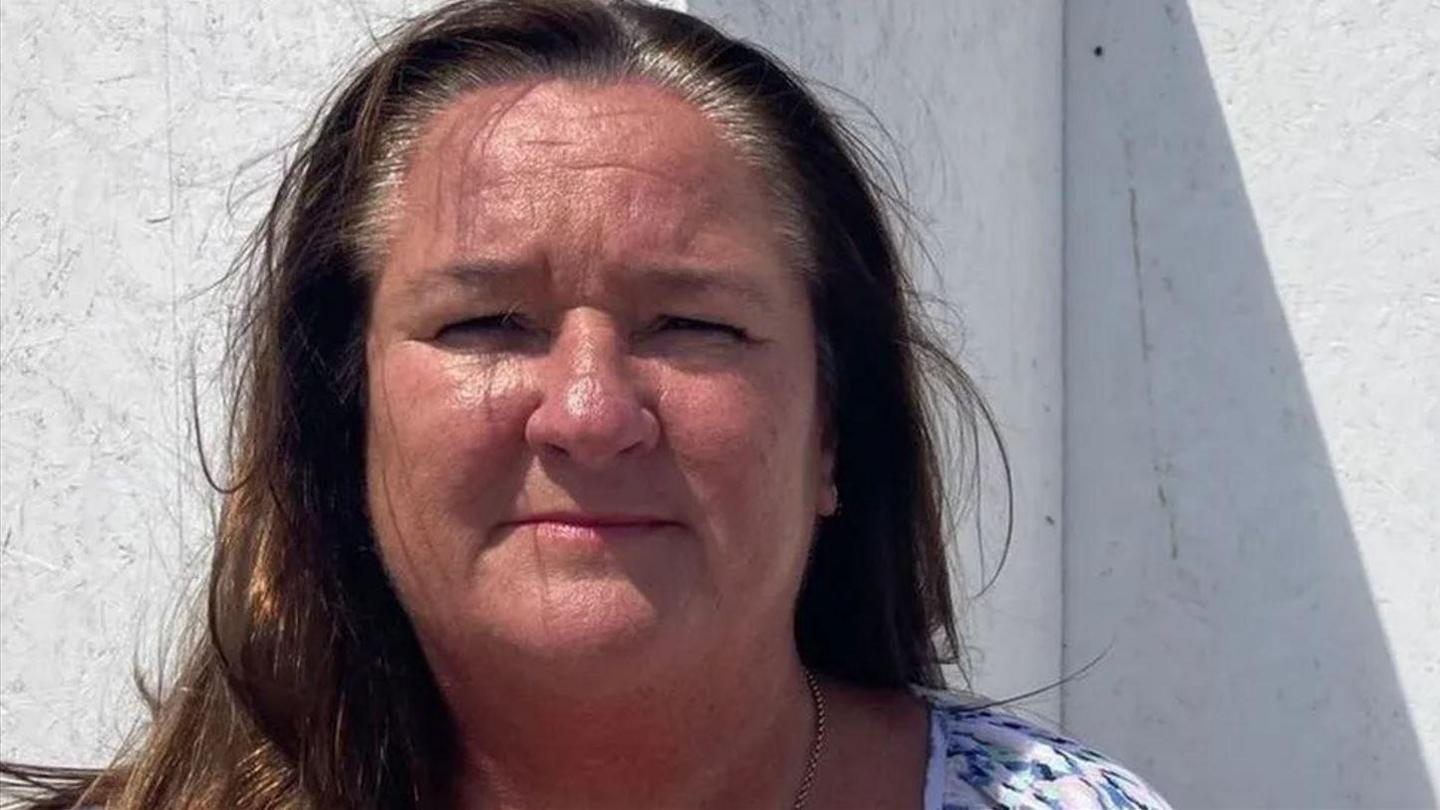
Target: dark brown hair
[(306, 687)]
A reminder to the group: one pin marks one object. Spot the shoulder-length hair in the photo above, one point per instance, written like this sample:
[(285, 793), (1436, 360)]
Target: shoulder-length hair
[(306, 687)]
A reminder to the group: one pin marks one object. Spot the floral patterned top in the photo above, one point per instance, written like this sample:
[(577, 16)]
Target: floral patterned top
[(981, 758)]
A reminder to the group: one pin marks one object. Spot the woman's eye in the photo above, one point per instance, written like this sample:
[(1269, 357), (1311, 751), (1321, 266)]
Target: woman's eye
[(500, 322), (676, 323)]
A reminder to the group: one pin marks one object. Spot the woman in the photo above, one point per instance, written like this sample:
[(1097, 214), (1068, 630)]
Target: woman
[(582, 458)]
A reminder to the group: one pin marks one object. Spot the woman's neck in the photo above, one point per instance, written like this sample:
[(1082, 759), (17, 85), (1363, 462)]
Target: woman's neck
[(723, 734)]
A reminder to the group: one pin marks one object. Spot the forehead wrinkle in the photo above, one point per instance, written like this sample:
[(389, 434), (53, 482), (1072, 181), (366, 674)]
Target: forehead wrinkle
[(566, 114), (611, 165), (572, 111)]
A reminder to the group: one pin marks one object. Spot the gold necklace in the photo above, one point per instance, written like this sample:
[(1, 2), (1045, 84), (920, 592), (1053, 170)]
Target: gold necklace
[(817, 746)]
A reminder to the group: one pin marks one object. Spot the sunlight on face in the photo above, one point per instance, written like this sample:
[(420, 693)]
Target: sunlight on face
[(593, 432)]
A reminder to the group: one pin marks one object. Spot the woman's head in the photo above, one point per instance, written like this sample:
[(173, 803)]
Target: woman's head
[(542, 257), (594, 443)]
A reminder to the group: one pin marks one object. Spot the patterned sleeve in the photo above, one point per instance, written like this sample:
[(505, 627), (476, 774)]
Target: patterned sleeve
[(993, 760)]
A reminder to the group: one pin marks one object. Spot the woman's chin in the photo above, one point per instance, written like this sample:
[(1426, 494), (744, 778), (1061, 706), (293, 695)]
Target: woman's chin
[(590, 624)]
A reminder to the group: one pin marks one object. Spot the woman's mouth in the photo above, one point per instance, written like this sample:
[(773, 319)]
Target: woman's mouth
[(593, 528)]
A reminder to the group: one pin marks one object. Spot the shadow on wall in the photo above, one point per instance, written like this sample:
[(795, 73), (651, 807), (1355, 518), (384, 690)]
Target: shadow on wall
[(1206, 536)]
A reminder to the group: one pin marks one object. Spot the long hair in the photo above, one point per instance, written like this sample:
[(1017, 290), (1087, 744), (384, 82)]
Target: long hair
[(306, 687)]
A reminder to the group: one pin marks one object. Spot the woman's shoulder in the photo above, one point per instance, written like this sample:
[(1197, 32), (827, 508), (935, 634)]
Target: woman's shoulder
[(983, 757)]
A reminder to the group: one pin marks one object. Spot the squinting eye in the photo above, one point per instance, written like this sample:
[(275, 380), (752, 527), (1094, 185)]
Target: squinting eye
[(671, 322), (498, 322)]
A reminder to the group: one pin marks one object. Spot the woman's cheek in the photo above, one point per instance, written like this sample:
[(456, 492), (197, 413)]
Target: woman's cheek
[(447, 403), (727, 434), (450, 429), (740, 446), (714, 420)]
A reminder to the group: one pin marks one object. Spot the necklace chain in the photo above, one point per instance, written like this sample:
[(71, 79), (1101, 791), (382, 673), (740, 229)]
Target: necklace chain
[(817, 746)]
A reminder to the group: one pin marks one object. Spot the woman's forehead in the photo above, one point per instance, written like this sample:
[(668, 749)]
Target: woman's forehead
[(493, 134), (561, 112), (629, 166)]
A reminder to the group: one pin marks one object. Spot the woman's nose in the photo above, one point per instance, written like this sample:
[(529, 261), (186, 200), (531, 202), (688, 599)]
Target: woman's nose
[(591, 409)]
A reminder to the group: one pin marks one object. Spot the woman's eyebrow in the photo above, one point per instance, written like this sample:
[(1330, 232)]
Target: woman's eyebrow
[(474, 277), (690, 281), (485, 277)]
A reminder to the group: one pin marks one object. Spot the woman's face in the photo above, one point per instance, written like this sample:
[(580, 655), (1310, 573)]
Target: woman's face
[(592, 424)]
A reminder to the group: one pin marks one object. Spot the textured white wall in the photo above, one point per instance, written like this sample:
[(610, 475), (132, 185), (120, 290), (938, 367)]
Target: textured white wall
[(971, 95), (125, 128), (1253, 396)]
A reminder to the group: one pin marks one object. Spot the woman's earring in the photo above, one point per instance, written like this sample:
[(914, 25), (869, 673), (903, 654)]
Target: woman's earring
[(835, 496)]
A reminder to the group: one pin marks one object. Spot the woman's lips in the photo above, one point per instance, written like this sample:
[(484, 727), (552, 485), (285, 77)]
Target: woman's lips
[(591, 528)]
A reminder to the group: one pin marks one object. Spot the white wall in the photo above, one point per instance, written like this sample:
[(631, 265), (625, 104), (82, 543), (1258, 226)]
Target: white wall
[(1252, 400), (125, 128)]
